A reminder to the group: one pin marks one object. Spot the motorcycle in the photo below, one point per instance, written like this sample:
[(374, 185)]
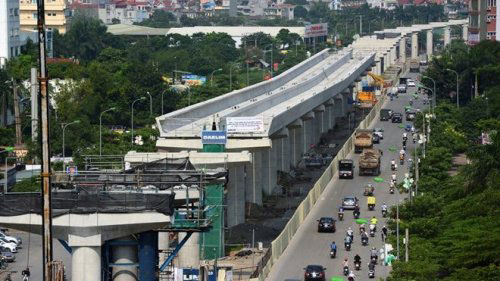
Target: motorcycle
[(350, 278), (347, 246), (401, 159), (371, 207), (371, 273), (364, 241), (341, 216), (333, 254), (384, 213), (356, 215), (346, 270), (372, 232), (391, 190), (393, 167), (369, 190), (357, 265)]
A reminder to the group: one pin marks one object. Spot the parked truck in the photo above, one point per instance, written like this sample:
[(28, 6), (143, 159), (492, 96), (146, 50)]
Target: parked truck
[(369, 162), (363, 139)]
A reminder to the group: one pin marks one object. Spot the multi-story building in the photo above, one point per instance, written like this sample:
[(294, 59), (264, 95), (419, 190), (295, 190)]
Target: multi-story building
[(477, 21), (126, 11), (56, 15), (491, 19), (10, 42)]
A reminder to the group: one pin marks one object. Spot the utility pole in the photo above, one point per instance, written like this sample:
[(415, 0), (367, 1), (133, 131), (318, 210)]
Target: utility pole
[(397, 224), (407, 241), (45, 145), (19, 136)]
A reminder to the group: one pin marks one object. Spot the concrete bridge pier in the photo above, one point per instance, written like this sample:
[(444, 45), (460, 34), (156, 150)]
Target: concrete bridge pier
[(189, 255), (85, 257), (465, 32), (402, 50), (447, 36), (414, 45), (430, 45), (319, 123), (253, 179), (296, 146), (308, 120), (330, 120), (124, 253), (393, 55), (235, 197), (285, 153)]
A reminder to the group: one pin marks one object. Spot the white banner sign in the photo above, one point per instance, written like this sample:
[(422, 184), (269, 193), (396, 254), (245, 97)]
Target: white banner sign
[(316, 30), (252, 124)]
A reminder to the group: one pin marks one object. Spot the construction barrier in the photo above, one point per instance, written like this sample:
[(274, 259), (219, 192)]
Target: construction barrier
[(279, 244)]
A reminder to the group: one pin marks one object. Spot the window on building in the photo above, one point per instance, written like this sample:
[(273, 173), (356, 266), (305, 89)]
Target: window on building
[(11, 12), (16, 12), (35, 15), (34, 1)]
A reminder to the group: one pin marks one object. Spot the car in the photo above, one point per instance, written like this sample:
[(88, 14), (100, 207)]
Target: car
[(326, 224), (397, 118), (379, 132), (349, 202), (402, 88), (375, 138), (410, 116), (411, 83), (6, 255), (9, 238), (346, 169), (9, 246), (314, 272)]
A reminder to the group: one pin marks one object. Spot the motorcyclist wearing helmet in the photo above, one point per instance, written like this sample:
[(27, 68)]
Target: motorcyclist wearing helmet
[(374, 220), (345, 263), (333, 248), (384, 207), (362, 228), (373, 253), (357, 259)]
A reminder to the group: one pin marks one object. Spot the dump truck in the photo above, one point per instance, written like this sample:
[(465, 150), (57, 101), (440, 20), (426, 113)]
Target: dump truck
[(363, 139), (369, 162)]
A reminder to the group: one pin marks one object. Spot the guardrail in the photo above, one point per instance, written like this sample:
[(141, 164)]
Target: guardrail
[(279, 244)]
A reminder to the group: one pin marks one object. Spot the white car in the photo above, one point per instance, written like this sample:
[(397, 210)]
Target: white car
[(9, 246), (411, 83), (12, 239), (379, 132)]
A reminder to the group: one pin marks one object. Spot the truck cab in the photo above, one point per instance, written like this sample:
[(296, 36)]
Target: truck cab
[(346, 169)]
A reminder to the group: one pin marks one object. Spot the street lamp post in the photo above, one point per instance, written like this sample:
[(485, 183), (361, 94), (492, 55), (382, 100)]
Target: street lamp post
[(150, 104), (63, 141), (100, 128), (212, 77), (458, 97), (433, 93), (132, 118)]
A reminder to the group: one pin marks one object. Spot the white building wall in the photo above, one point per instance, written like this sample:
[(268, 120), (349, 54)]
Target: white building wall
[(10, 42)]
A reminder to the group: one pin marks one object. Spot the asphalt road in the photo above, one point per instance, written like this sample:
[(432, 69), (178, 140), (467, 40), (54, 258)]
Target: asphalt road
[(33, 246), (310, 247)]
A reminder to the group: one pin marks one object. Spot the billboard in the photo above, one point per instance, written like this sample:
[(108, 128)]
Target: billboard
[(193, 80), (250, 124), (213, 137), (316, 30)]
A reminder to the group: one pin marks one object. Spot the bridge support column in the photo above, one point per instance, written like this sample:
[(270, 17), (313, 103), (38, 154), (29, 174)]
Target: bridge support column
[(330, 122), (127, 255), (414, 45), (393, 55), (386, 61), (86, 263), (319, 124), (163, 246), (296, 131), (272, 167), (253, 186), (308, 130), (189, 255), (465, 32), (447, 36), (430, 45), (235, 197), (285, 154), (402, 50)]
